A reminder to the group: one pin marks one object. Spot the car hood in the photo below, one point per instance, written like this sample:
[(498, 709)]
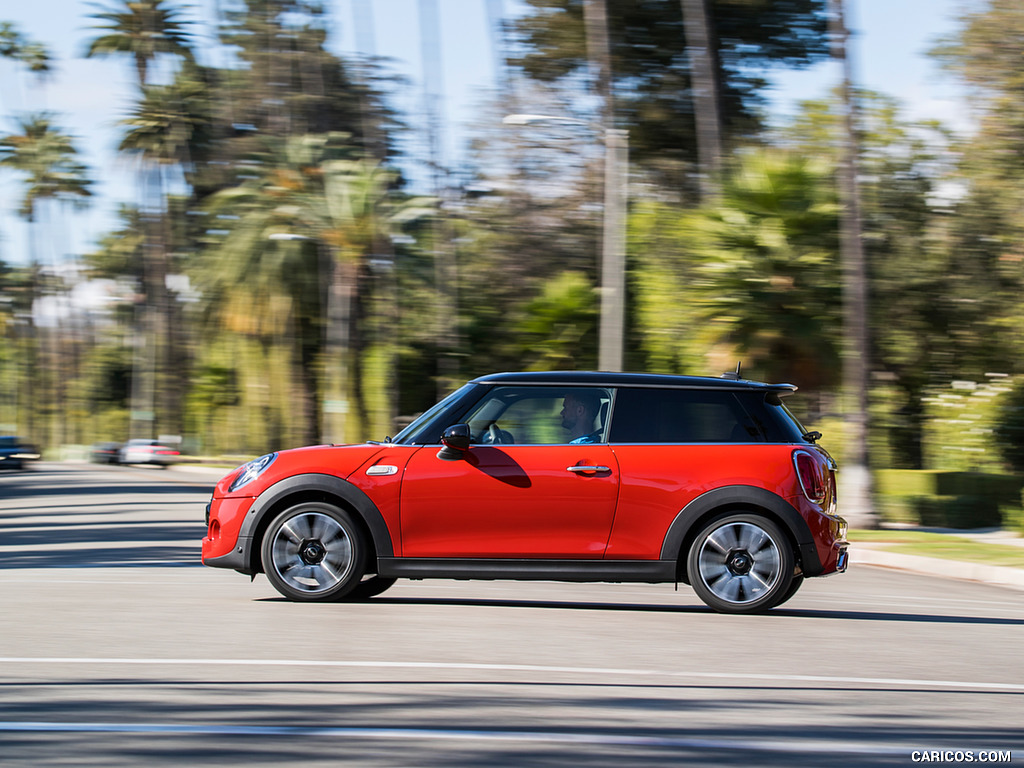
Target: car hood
[(337, 460)]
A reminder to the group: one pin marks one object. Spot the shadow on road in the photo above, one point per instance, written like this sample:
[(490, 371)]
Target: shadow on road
[(82, 517), (576, 605), (450, 725)]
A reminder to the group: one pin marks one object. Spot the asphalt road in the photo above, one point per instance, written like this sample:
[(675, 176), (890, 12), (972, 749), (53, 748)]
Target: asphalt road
[(118, 649)]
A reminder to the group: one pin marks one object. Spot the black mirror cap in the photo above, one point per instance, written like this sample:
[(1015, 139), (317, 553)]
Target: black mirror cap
[(454, 442)]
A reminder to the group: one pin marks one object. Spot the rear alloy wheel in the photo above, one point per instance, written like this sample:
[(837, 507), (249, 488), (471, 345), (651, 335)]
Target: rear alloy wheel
[(314, 552), (741, 563)]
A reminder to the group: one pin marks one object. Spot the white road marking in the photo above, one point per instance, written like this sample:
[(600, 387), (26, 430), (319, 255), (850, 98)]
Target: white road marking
[(322, 663)]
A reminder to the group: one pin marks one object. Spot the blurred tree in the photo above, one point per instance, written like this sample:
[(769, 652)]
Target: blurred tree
[(652, 70), (46, 158), (169, 131), (142, 30), (753, 274), (527, 231), (305, 221), (987, 226), (160, 132), (32, 55), (289, 84), (555, 330), (1009, 428), (119, 253), (171, 126), (937, 306)]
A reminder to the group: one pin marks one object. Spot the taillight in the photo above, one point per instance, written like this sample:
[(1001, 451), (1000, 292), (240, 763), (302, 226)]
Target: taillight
[(812, 472)]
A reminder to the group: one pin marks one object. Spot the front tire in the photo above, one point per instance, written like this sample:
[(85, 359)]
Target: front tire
[(313, 552), (741, 563)]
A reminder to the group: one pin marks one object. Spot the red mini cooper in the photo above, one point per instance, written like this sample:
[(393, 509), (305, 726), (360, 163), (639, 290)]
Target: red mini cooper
[(612, 477)]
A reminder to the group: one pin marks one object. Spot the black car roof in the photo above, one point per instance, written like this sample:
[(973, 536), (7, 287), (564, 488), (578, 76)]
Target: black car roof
[(605, 379)]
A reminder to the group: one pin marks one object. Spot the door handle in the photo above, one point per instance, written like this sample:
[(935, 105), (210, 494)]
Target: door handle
[(579, 468)]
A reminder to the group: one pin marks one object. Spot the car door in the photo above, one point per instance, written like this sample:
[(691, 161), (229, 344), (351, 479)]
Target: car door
[(522, 490)]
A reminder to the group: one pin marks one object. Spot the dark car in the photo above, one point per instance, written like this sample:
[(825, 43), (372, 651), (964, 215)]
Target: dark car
[(15, 452), (554, 476), (105, 453)]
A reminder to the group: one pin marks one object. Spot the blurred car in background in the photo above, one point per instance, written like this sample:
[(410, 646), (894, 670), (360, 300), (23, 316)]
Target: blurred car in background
[(105, 453), (144, 451), (14, 452)]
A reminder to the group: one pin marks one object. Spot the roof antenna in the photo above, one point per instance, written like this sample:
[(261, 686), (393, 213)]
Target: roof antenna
[(735, 375)]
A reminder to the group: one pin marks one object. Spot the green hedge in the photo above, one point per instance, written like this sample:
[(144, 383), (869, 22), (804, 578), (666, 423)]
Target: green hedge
[(946, 499)]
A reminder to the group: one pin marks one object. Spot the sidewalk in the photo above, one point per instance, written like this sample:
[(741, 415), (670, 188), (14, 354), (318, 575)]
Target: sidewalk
[(875, 554)]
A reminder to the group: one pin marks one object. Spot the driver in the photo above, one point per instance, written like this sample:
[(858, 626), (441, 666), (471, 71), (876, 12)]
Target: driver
[(579, 409)]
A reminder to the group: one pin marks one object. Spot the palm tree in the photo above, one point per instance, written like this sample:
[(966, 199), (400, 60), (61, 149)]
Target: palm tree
[(764, 269), (46, 157), (142, 29), (13, 45), (160, 135), (309, 219)]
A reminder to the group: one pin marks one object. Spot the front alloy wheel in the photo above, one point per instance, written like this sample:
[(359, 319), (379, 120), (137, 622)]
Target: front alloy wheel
[(313, 551), (741, 563)]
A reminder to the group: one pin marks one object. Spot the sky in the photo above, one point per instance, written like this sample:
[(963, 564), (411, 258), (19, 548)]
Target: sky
[(889, 47)]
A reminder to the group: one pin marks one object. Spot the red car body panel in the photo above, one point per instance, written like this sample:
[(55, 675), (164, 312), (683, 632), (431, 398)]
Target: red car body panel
[(487, 506), (509, 501), (659, 481)]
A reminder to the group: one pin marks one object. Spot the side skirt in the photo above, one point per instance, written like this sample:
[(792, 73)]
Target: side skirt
[(650, 571)]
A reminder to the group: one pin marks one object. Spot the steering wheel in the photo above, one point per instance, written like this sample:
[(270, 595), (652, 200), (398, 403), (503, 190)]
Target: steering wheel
[(497, 436)]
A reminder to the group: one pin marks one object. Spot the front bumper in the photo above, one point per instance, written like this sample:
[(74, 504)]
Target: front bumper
[(223, 547)]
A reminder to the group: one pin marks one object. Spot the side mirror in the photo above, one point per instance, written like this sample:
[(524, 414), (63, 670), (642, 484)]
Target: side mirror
[(454, 442)]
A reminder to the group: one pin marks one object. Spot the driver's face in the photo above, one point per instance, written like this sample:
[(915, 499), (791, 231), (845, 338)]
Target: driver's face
[(570, 413)]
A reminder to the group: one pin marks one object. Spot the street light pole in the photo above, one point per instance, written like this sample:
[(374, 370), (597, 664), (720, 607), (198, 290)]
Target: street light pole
[(613, 241)]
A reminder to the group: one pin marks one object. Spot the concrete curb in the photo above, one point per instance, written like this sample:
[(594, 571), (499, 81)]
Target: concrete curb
[(1001, 576)]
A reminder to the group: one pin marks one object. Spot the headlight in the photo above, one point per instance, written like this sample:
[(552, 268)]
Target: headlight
[(249, 472)]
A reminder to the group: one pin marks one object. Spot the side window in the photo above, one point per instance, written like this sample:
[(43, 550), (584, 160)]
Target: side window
[(540, 416), (681, 416)]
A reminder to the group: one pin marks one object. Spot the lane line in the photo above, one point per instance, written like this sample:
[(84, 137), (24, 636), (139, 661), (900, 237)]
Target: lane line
[(464, 666), (601, 738)]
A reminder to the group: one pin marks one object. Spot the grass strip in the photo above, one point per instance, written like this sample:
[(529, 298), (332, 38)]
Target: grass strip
[(943, 545)]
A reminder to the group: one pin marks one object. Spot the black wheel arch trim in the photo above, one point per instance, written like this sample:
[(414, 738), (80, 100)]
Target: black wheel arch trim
[(685, 524), (269, 502)]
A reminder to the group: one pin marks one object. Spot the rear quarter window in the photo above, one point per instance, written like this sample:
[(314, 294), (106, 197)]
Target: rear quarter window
[(682, 416)]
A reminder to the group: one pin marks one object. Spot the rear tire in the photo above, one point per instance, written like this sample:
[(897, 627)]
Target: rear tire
[(314, 552), (794, 586), (370, 587), (741, 563)]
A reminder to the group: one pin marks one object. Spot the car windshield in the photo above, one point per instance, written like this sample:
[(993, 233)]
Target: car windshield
[(411, 432)]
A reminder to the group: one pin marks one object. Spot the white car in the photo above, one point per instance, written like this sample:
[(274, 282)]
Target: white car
[(142, 451)]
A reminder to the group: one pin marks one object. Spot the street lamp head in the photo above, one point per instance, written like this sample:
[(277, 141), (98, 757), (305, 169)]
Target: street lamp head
[(526, 119), (286, 236)]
